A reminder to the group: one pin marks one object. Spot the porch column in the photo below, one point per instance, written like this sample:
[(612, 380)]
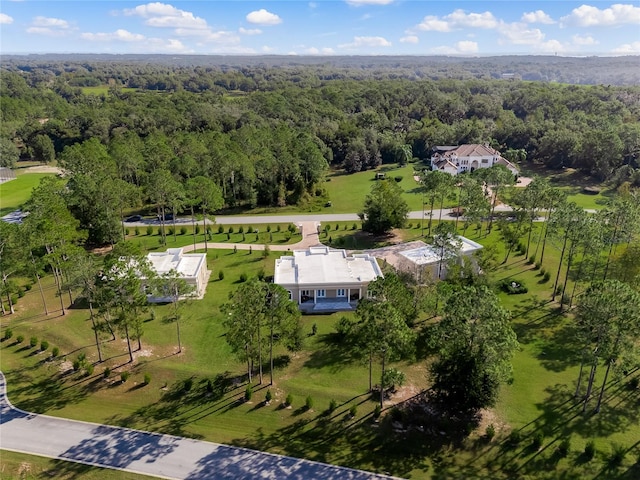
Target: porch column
[(359, 293), (299, 297), (315, 292), (348, 295)]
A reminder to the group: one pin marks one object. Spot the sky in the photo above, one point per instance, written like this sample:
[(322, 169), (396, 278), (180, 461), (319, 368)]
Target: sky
[(321, 27)]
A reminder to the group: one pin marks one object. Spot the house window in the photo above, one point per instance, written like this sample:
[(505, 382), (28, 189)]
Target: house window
[(341, 292), (321, 293), (306, 293), (370, 294), (485, 160), (290, 294)]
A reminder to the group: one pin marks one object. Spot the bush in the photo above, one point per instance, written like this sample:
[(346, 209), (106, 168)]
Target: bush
[(261, 274), (230, 231), (170, 231), (289, 400), (106, 373), (536, 441), (20, 339), (618, 452), (241, 229), (147, 378), (76, 365), (124, 376), (308, 403), (159, 230), (183, 230), (8, 333), (333, 404), (33, 342), (634, 383), (398, 178), (354, 227), (88, 370), (268, 228), (44, 345), (126, 232), (490, 432), (559, 288), (249, 229), (564, 448), (590, 450), (377, 411), (512, 287), (546, 277), (337, 227), (197, 230), (278, 228), (537, 266), (136, 231), (532, 259), (188, 384), (515, 438), (353, 410), (149, 230), (221, 275), (248, 393), (393, 378), (243, 277), (410, 225), (55, 352), (268, 396), (267, 251)]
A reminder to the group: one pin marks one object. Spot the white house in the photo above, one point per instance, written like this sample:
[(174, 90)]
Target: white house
[(467, 158), (322, 279), (192, 267)]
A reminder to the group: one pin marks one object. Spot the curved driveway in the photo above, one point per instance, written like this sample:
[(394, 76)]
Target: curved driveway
[(152, 454)]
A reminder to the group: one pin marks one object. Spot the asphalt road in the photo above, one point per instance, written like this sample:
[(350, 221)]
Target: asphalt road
[(310, 217), (163, 456)]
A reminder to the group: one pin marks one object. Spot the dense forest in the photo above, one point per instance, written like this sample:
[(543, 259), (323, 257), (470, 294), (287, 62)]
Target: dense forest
[(267, 133)]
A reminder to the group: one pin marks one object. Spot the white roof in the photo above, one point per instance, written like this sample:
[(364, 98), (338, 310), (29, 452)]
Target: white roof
[(186, 264), (325, 266), (428, 254)]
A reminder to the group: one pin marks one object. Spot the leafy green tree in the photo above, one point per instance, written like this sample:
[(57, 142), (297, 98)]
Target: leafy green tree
[(497, 177), (447, 243), (608, 326), (165, 191), (13, 260), (384, 208), (204, 192), (43, 148), (475, 342), (383, 334), (436, 185), (9, 153)]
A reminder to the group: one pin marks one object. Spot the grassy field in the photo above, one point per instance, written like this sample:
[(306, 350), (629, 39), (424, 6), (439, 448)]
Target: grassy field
[(18, 466), (16, 192), (103, 90), (538, 400)]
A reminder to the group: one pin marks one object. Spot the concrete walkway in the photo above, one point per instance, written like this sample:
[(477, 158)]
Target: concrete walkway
[(163, 456), (310, 238)]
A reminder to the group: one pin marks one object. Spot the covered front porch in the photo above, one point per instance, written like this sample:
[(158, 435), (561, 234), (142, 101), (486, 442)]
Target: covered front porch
[(328, 305), (329, 300)]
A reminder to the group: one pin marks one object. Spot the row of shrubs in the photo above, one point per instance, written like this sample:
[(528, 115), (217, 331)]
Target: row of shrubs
[(308, 403), (33, 342), (221, 229), (618, 452)]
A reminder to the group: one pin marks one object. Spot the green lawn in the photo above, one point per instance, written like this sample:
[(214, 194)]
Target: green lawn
[(16, 192), (103, 90), (538, 399), (18, 466)]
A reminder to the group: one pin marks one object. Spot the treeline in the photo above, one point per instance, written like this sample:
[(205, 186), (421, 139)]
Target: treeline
[(274, 147)]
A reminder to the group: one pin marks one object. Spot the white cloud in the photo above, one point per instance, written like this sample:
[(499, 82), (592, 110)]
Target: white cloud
[(457, 20), (267, 49), (5, 19), (520, 34), (359, 42), (263, 17), (628, 49), (409, 39), (166, 16), (538, 16), (617, 14), (360, 3), (249, 31), (51, 27), (464, 47), (319, 51), (119, 35), (48, 22), (584, 40)]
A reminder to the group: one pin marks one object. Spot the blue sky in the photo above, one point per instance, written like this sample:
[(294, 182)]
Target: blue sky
[(321, 27)]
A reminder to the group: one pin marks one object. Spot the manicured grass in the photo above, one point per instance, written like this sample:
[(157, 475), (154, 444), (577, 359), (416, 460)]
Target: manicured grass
[(279, 235), (16, 192), (538, 399), (19, 466), (103, 90)]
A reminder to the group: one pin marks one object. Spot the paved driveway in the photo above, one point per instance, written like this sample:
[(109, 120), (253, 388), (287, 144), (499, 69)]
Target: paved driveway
[(152, 454)]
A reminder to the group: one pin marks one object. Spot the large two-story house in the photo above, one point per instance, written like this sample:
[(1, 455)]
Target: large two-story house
[(467, 158)]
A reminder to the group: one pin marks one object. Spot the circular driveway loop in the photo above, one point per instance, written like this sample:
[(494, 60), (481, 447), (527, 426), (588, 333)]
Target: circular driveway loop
[(148, 453)]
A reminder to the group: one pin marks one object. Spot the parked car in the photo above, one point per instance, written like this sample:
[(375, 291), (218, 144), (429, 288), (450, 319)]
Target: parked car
[(134, 218), (167, 217)]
